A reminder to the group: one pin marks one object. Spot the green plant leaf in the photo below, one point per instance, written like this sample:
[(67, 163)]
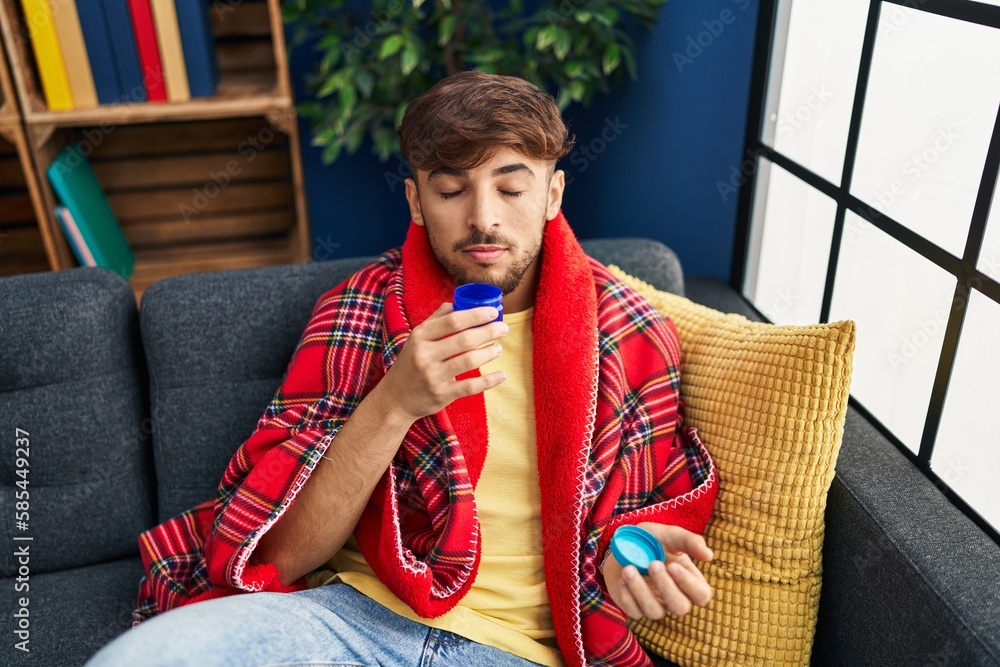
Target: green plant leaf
[(577, 90), (608, 16), (348, 98), (391, 46), (332, 152), (612, 56), (546, 37), (410, 59), (334, 83), (398, 116), (563, 99), (573, 69), (583, 16), (385, 144), (355, 137), (365, 81), (446, 29), (564, 41), (323, 137)]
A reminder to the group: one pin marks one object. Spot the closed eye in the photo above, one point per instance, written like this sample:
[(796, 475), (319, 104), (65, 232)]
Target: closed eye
[(506, 193)]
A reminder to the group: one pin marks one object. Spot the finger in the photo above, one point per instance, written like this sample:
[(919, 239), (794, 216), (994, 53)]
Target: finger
[(672, 597), (675, 538), (457, 320), (640, 590), (472, 359), (469, 339), (627, 601), (476, 385), (691, 584)]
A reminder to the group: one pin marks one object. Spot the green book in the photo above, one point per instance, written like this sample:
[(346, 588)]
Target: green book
[(77, 188)]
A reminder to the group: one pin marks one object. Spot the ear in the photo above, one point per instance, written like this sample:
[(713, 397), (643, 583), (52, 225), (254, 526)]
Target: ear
[(413, 199), (557, 185)]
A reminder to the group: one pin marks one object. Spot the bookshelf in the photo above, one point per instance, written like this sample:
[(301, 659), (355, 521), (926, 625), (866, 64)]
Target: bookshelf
[(23, 247), (212, 183)]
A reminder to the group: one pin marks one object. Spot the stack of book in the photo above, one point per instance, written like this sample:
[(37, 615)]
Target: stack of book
[(92, 52), (91, 227)]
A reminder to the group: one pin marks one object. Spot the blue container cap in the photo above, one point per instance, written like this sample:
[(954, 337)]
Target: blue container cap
[(474, 295), (636, 546)]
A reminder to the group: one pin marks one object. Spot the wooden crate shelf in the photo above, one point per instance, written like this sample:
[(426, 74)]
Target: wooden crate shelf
[(209, 184), (24, 245), (252, 66), (156, 264), (194, 195)]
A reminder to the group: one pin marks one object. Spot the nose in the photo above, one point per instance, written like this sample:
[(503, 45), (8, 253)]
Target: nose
[(483, 215)]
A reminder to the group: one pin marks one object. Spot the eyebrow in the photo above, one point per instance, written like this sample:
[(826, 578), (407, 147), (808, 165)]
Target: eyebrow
[(464, 173)]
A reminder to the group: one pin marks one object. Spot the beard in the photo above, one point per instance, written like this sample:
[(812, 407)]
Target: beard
[(463, 274)]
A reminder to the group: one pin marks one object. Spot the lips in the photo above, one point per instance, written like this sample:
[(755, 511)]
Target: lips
[(485, 254)]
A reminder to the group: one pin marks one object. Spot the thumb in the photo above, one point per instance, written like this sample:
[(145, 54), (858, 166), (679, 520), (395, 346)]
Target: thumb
[(675, 538)]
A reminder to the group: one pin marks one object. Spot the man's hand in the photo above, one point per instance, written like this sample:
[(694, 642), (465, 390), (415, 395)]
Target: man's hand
[(422, 379), (672, 586)]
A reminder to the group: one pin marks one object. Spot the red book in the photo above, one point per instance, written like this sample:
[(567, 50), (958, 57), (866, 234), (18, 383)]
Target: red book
[(149, 51)]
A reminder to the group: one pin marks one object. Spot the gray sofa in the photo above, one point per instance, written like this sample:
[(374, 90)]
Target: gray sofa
[(132, 416)]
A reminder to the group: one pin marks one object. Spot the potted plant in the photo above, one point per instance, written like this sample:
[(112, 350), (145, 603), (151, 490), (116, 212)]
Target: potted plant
[(369, 67)]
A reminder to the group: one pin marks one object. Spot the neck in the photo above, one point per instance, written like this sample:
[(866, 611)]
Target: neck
[(523, 296)]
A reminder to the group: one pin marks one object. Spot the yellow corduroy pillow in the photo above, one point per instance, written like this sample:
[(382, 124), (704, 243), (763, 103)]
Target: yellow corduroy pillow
[(770, 403)]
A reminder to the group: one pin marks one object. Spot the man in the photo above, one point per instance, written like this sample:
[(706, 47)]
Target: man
[(456, 481)]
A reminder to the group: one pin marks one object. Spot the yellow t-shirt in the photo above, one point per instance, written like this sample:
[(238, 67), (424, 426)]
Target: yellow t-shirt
[(507, 605)]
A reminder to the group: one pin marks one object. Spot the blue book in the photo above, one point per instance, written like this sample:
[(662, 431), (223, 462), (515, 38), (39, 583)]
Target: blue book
[(126, 52), (77, 188), (97, 38), (199, 46)]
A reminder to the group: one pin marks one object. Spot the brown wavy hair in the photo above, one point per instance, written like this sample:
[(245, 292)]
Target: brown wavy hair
[(464, 118)]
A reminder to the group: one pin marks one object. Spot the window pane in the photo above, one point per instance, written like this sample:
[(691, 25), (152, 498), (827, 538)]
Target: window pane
[(794, 250), (901, 304), (813, 83), (989, 254), (932, 101), (967, 451)]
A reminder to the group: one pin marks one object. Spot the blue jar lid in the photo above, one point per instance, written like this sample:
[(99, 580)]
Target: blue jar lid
[(636, 546), (473, 295)]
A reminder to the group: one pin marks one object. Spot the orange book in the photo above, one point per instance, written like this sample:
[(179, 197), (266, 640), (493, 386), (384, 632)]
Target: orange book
[(81, 81), (168, 36)]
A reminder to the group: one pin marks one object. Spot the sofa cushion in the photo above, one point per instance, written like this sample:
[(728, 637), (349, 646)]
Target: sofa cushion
[(218, 344), (886, 565), (72, 376), (73, 613), (770, 403)]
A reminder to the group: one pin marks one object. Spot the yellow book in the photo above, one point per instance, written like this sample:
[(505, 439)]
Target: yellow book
[(48, 55), (74, 50), (168, 37)]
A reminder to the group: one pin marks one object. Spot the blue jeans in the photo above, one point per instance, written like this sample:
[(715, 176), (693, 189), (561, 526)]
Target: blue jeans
[(326, 626)]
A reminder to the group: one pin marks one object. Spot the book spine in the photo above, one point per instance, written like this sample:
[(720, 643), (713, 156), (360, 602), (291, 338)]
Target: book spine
[(45, 43), (149, 52), (70, 34), (126, 53), (83, 255), (97, 37), (199, 47), (168, 36)]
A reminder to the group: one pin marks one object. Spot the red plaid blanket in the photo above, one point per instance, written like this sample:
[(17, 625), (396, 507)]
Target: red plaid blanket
[(611, 449)]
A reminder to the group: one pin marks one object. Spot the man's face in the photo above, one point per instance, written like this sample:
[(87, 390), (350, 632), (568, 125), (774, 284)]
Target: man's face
[(485, 224)]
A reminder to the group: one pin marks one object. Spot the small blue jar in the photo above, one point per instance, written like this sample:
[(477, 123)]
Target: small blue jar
[(474, 295)]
